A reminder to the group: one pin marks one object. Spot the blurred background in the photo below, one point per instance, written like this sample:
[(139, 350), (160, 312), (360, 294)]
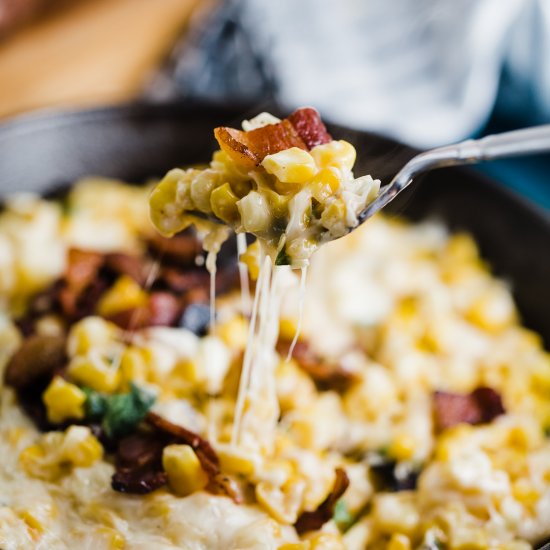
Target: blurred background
[(425, 72)]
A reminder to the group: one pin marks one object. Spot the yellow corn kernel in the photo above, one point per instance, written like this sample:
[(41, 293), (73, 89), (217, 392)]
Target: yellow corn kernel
[(133, 366), (287, 328), (112, 537), (91, 333), (461, 248), (93, 371), (63, 400), (292, 165), (251, 258), (80, 447), (340, 154), (324, 184), (524, 492), (124, 294), (234, 332), (333, 218), (450, 442), (396, 513), (235, 461), (37, 516), (304, 545), (185, 474), (188, 370), (399, 542), (402, 447), (493, 311), (282, 503), (224, 204), (325, 541)]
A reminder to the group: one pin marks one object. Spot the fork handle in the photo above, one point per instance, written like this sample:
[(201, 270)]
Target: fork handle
[(528, 141)]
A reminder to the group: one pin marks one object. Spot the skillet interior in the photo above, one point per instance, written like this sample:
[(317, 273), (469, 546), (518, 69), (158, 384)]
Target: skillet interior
[(44, 152)]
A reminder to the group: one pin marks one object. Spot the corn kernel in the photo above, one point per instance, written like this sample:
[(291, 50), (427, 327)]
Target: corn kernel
[(113, 538), (63, 400), (133, 366), (399, 542), (185, 474), (304, 545), (402, 447), (325, 541), (493, 311), (340, 154), (37, 516), (224, 204), (94, 372), (124, 294), (91, 333), (251, 258), (235, 461), (324, 184), (80, 447), (287, 328), (234, 332), (282, 503), (333, 218), (524, 492), (292, 165)]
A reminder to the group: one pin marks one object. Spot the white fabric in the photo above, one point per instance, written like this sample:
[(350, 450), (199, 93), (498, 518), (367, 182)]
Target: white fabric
[(423, 71)]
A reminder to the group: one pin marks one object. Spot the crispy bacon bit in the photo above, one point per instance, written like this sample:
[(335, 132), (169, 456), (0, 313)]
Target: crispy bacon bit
[(250, 148), (138, 483), (310, 127), (36, 360), (81, 286), (162, 309), (303, 129), (165, 309), (135, 267), (325, 374), (481, 406), (82, 268), (181, 281), (182, 248), (312, 521), (217, 482), (139, 464)]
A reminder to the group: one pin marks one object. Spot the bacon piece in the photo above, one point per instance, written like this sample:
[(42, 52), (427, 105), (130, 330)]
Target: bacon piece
[(82, 268), (303, 129), (182, 280), (312, 521), (138, 464), (135, 267), (310, 127), (481, 406), (250, 148), (181, 249), (138, 482), (163, 309), (210, 463), (36, 360), (326, 375)]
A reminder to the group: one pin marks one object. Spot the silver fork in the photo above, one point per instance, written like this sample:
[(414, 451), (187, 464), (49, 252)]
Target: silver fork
[(528, 141)]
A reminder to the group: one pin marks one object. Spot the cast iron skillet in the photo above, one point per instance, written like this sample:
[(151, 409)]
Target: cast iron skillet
[(44, 153)]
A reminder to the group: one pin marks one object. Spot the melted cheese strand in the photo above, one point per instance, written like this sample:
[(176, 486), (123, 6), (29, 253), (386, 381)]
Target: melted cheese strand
[(301, 301), (243, 275), (247, 360), (211, 267)]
